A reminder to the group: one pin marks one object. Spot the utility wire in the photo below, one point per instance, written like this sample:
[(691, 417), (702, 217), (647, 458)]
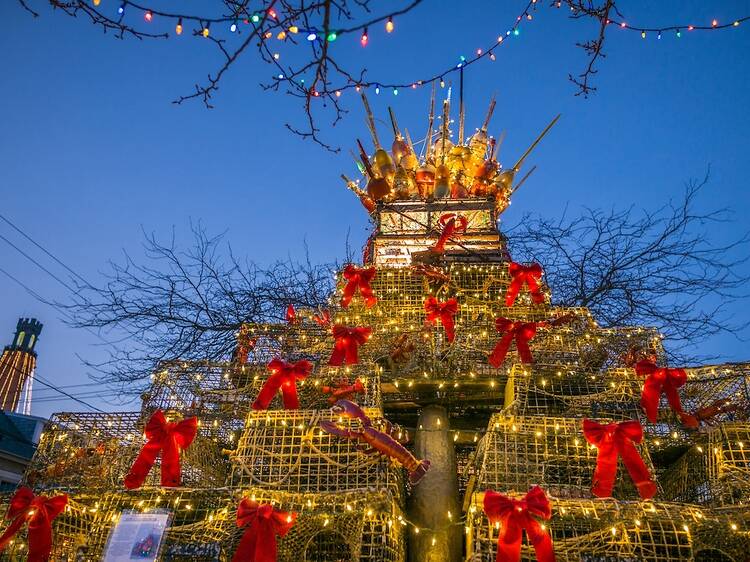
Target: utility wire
[(43, 249), (40, 266)]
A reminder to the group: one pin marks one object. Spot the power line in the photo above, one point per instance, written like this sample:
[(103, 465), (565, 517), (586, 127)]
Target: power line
[(40, 266), (43, 249)]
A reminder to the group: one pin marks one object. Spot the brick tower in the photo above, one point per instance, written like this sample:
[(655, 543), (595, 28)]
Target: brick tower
[(17, 365)]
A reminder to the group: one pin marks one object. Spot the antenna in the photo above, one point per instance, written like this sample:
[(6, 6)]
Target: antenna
[(490, 111), (430, 122), (533, 145), (370, 121), (523, 179), (396, 132)]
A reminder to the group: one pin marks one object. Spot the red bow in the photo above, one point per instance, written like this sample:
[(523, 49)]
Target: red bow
[(613, 440), (263, 522), (358, 278), (520, 274), (284, 376), (522, 332), (291, 315), (660, 380), (445, 311), (346, 348), (453, 225), (168, 438), (38, 511), (516, 515), (323, 319)]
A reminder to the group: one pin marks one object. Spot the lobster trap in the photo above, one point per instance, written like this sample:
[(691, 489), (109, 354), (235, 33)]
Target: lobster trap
[(95, 451), (606, 529), (201, 526), (714, 471), (363, 526), (517, 453), (712, 395), (569, 392), (287, 450)]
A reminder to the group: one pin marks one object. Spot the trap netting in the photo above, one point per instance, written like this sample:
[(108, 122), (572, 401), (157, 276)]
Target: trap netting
[(226, 391), (715, 470), (609, 530), (95, 451), (201, 529), (364, 526), (517, 453), (713, 394), (287, 450), (539, 390)]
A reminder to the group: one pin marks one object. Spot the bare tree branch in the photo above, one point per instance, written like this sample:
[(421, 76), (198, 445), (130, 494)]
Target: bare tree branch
[(659, 268)]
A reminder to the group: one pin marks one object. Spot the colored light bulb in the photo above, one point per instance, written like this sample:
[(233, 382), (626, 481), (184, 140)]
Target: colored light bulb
[(389, 25), (332, 36), (364, 39), (148, 16), (178, 27)]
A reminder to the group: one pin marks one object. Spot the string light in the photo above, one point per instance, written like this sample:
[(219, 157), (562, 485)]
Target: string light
[(363, 40), (206, 31), (332, 36), (121, 9), (178, 27), (389, 25), (148, 15), (97, 2), (312, 36), (233, 27)]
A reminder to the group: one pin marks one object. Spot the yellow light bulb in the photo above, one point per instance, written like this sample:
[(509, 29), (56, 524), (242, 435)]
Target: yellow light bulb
[(205, 32), (178, 29), (97, 2), (294, 29), (389, 25)]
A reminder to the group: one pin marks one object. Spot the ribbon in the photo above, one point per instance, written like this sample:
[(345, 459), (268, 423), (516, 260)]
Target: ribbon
[(524, 274), (658, 381), (445, 311), (522, 332), (168, 438), (346, 348), (515, 516), (613, 440), (262, 523), (284, 376), (453, 226), (358, 278), (291, 315), (39, 512), (323, 319)]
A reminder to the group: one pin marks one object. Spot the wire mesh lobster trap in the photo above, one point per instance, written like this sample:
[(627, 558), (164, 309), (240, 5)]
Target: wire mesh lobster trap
[(517, 453), (714, 471), (201, 524), (363, 526), (287, 450), (95, 451), (608, 530), (226, 391), (571, 392), (712, 395)]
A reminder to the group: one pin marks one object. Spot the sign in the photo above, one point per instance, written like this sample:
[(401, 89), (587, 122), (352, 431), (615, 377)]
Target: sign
[(136, 536)]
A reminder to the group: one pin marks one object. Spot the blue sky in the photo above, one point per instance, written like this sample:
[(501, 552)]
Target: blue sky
[(92, 151)]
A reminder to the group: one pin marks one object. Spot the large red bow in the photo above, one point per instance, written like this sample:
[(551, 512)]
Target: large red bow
[(284, 376), (516, 515), (660, 380), (445, 311), (263, 523), (346, 348), (38, 511), (520, 274), (613, 440), (169, 438), (358, 278), (522, 332), (453, 226)]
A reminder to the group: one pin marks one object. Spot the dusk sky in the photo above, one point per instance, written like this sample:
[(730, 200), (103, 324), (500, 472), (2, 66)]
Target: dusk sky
[(93, 152)]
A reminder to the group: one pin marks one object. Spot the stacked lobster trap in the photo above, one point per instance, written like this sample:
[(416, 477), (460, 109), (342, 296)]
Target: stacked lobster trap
[(92, 451), (201, 524), (608, 529), (519, 452)]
